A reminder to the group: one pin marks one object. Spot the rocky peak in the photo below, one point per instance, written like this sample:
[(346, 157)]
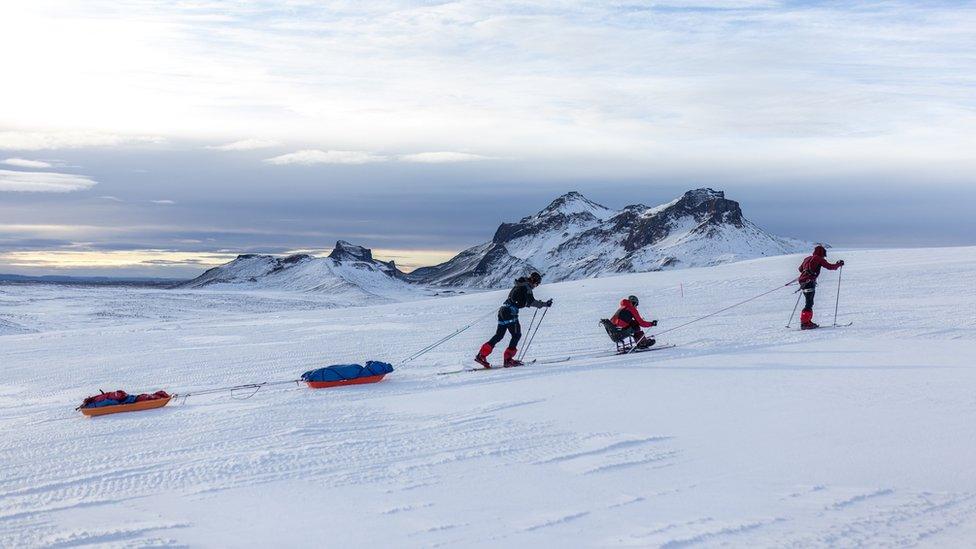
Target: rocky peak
[(707, 206), (344, 251), (570, 208), (573, 203), (295, 258)]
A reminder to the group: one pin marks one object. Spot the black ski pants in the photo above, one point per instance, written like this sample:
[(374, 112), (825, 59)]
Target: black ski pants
[(507, 322), (809, 289)]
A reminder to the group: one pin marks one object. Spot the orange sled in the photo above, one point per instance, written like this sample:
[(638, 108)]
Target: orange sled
[(354, 381), (119, 408)]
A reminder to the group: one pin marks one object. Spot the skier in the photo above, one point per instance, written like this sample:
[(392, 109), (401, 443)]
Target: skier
[(629, 320), (809, 271), (518, 298)]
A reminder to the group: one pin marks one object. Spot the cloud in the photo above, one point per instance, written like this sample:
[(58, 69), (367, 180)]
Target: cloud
[(36, 141), (111, 198), (312, 156), (442, 157), (627, 82), (25, 163), (164, 202), (246, 145), (43, 182)]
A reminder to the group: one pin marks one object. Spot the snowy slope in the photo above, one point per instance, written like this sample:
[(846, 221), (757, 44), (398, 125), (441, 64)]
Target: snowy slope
[(349, 274), (576, 238), (746, 435)]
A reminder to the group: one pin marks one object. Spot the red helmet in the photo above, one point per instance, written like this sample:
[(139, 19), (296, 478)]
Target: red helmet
[(820, 251)]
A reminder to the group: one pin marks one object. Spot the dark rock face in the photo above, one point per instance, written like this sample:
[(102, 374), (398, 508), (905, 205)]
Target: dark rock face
[(709, 207), (345, 251), (569, 208)]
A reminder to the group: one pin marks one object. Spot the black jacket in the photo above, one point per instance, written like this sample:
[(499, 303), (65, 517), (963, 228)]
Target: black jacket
[(521, 296)]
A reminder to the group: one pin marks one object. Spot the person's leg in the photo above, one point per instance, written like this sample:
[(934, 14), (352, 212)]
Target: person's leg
[(641, 339), (516, 331), (806, 315), (490, 344), (505, 318)]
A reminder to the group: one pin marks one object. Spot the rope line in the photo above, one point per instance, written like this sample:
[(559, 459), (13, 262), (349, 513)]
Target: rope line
[(256, 386), (726, 308), (443, 340)]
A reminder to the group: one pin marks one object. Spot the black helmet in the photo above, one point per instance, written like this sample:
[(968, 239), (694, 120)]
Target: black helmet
[(633, 300), (535, 278)]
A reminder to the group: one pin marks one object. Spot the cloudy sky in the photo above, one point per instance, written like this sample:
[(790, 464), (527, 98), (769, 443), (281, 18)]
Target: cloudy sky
[(155, 138)]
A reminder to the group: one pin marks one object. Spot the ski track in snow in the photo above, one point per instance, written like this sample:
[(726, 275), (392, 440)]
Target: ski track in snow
[(746, 434)]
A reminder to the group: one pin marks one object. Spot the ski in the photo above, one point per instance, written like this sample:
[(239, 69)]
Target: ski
[(839, 325), (635, 351), (824, 327), (499, 367), (558, 360)]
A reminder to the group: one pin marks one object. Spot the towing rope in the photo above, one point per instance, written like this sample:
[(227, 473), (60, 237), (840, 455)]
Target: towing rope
[(720, 311), (256, 386), (443, 340)]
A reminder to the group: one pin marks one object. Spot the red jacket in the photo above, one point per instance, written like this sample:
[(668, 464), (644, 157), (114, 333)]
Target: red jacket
[(626, 305), (810, 268)]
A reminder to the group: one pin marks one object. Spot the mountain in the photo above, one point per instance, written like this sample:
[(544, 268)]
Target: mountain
[(349, 271), (87, 280), (574, 237)]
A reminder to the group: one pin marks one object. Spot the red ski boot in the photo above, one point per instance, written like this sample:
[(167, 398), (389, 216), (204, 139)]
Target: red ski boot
[(510, 361), (806, 321), (482, 356)]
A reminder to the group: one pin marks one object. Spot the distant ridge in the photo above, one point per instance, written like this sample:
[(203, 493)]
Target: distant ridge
[(574, 237)]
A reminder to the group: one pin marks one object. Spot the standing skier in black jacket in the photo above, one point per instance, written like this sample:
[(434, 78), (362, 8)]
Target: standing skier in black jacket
[(508, 321)]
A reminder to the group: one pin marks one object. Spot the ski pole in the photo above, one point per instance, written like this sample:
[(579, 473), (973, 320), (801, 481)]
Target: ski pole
[(790, 321), (636, 343), (532, 335), (840, 273), (529, 332)]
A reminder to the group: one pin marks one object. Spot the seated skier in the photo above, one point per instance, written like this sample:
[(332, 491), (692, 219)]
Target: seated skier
[(629, 320)]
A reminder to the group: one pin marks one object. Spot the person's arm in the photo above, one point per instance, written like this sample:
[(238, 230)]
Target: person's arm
[(640, 320), (533, 302), (831, 266)]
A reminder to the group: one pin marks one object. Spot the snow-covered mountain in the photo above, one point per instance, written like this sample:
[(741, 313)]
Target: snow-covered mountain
[(349, 270), (574, 238)]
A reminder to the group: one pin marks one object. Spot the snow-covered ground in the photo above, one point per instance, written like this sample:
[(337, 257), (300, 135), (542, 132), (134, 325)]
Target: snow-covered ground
[(746, 434)]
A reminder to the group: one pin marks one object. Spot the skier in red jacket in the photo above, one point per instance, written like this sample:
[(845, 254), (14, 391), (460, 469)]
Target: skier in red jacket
[(809, 271), (629, 320)]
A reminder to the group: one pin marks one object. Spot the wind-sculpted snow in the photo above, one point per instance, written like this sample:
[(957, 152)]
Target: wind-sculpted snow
[(744, 435), (576, 238)]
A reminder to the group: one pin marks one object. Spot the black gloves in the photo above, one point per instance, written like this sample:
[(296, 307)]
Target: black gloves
[(653, 323), (549, 303), (841, 262)]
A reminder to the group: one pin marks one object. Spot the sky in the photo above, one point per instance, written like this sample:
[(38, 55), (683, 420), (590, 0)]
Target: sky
[(157, 138)]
